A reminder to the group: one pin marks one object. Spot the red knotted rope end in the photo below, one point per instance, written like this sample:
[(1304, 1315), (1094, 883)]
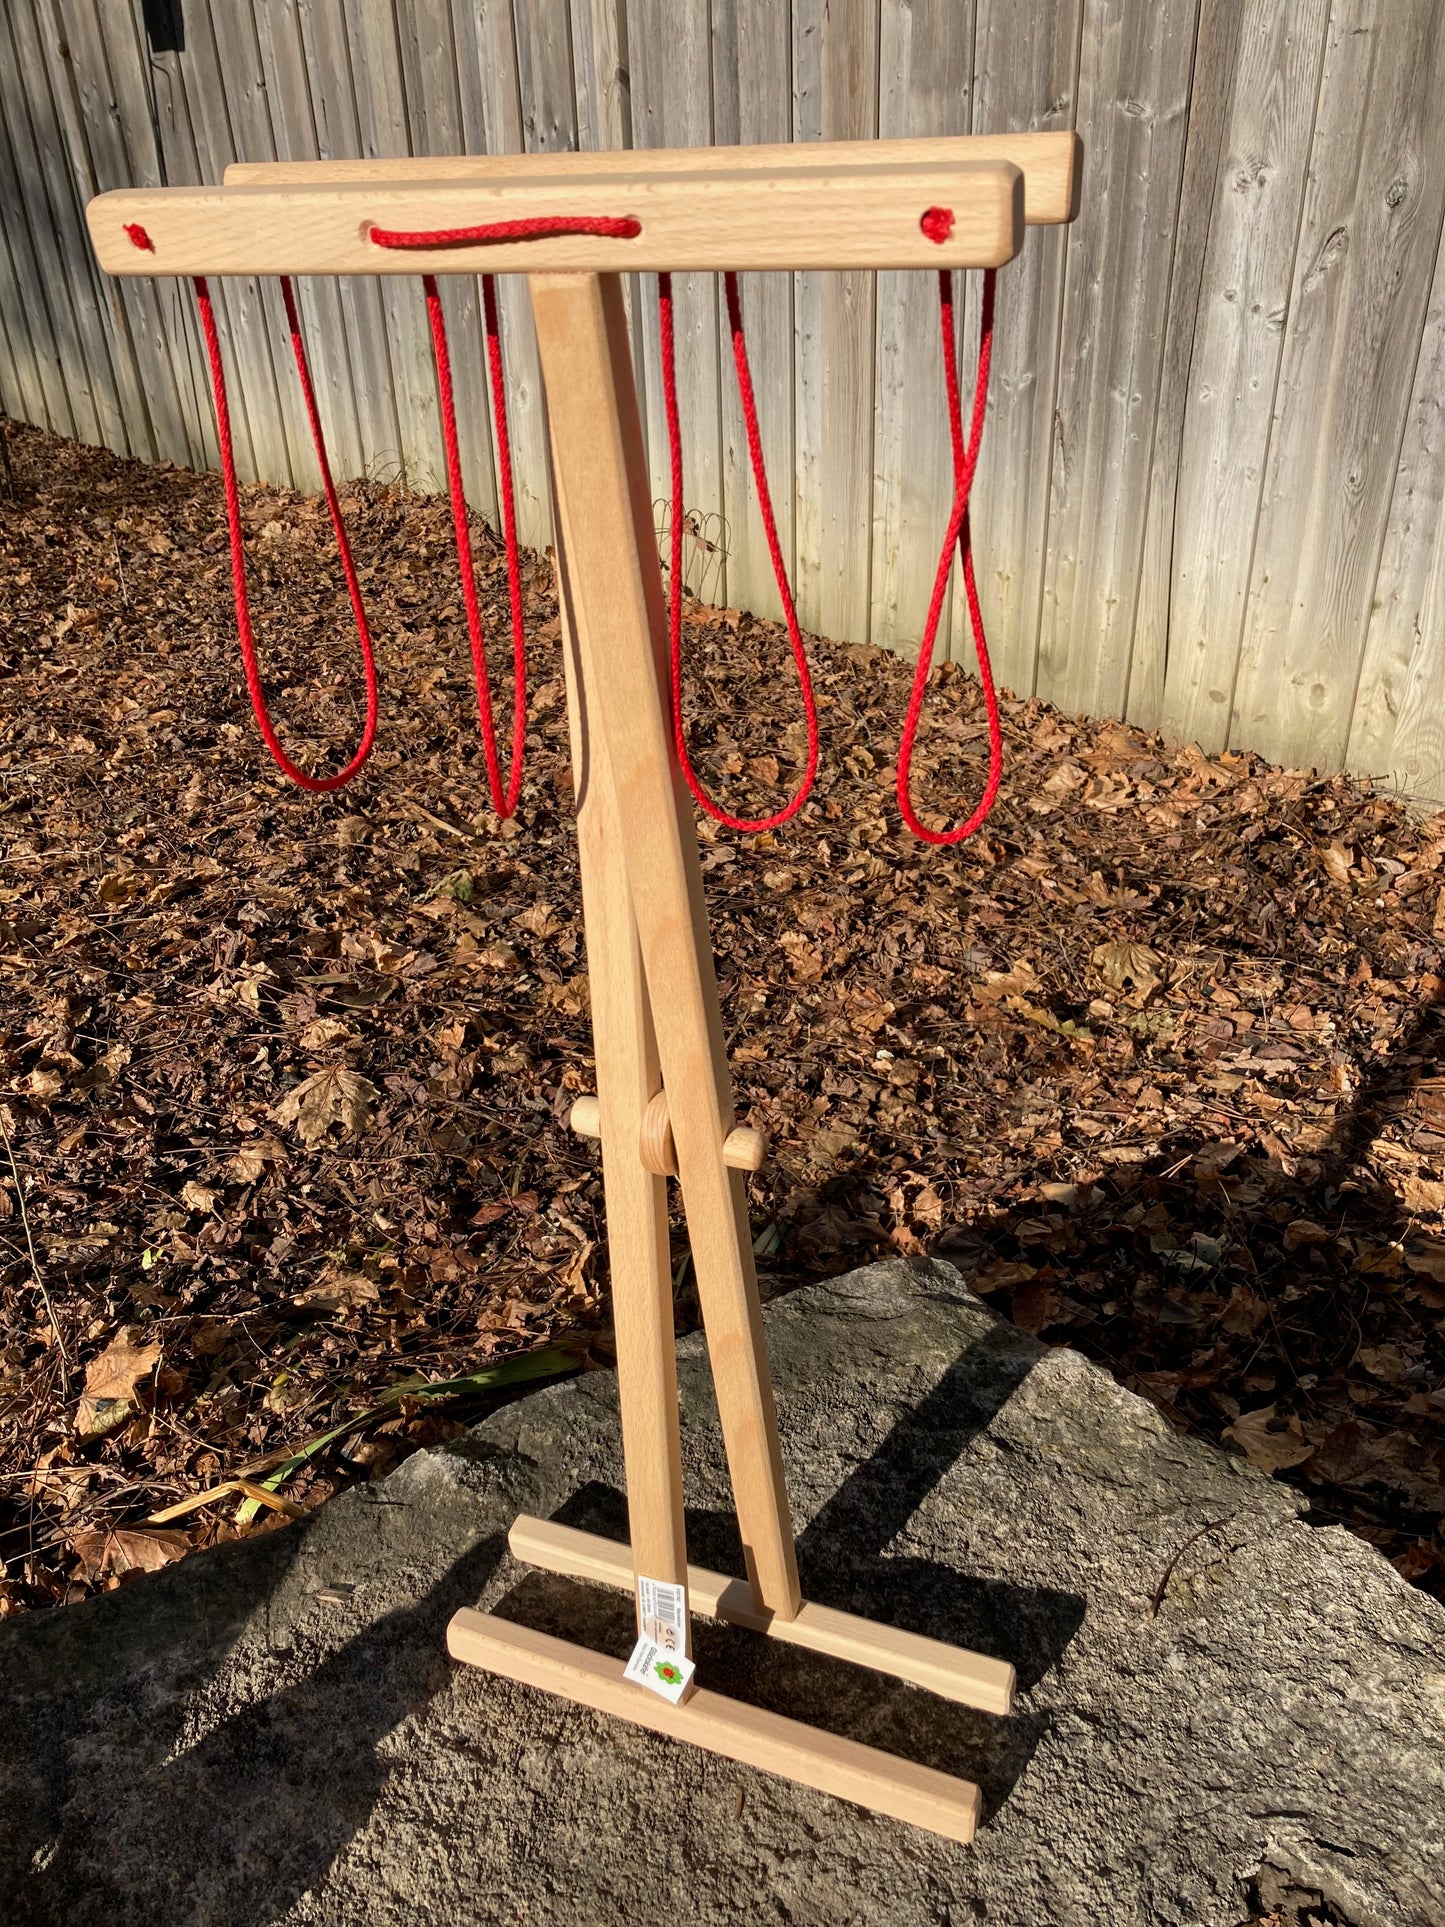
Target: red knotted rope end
[(937, 224), (138, 236)]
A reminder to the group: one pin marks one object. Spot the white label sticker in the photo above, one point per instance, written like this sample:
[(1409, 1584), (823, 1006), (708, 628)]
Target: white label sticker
[(662, 1614), (669, 1674)]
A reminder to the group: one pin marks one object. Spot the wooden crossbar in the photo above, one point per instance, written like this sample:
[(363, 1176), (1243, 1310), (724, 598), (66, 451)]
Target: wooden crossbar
[(749, 1734), (815, 217), (1051, 164)]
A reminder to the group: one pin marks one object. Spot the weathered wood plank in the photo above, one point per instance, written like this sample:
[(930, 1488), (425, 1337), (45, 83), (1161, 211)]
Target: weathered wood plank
[(1361, 287), (835, 97), (176, 338), (327, 59), (603, 88), (1133, 96), (381, 107), (669, 62), (71, 181), (1022, 82), (492, 34), (431, 71), (34, 389), (1251, 123), (926, 65), (293, 133), (188, 157), (1395, 732), (156, 423), (70, 403), (753, 102)]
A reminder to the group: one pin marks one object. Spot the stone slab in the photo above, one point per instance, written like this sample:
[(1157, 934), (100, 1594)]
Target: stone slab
[(220, 1745)]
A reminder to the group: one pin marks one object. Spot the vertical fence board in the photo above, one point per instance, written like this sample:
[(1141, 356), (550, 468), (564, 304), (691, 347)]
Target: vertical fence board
[(1022, 80), (670, 65), (338, 137), (177, 334), (381, 107), (1225, 333), (1361, 288), (1133, 98), (430, 66), (1396, 729), (156, 417), (926, 66), (293, 134), (485, 28), (70, 403), (603, 87), (752, 103), (835, 97)]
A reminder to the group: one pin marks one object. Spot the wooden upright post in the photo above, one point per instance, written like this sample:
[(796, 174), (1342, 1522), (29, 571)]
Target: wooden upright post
[(604, 519)]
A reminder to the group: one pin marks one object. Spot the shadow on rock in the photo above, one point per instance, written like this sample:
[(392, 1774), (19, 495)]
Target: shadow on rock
[(844, 1562), (236, 1820)]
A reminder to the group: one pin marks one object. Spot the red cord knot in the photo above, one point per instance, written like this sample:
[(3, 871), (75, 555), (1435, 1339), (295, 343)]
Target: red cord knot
[(540, 227), (937, 224), (138, 237)]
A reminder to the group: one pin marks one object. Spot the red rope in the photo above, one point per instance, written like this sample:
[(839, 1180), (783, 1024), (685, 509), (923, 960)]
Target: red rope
[(238, 548), (504, 803), (965, 465), (541, 227), (750, 825), (138, 237)]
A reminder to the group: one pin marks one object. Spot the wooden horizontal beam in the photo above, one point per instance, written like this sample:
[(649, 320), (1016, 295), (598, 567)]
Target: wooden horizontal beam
[(882, 1782), (971, 1679), (1051, 164), (807, 218)]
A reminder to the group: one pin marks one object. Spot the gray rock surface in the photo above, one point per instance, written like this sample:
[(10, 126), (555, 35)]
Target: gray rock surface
[(219, 1745)]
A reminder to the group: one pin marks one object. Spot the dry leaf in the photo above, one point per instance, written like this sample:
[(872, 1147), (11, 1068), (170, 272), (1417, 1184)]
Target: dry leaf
[(343, 1292), (126, 1549), (112, 1380), (1338, 862), (1272, 1444), (333, 1096), (1127, 963), (198, 1197)]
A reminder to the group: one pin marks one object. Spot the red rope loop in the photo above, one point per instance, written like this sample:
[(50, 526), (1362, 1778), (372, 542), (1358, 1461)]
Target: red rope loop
[(749, 825), (238, 548), (965, 465), (504, 802), (541, 227)]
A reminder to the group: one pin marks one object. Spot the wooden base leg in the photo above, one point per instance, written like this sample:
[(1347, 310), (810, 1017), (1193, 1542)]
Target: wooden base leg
[(749, 1734), (971, 1679)]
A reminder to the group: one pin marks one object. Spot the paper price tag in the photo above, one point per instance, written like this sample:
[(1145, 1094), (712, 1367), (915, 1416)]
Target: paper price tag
[(665, 1673), (662, 1614)]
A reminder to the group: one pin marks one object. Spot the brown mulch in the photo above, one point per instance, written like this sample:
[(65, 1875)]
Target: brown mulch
[(1157, 1059)]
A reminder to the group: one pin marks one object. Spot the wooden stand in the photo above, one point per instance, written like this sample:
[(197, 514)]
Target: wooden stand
[(656, 1019)]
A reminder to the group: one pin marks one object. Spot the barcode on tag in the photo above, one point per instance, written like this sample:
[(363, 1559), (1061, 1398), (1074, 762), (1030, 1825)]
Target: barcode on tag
[(669, 1674), (662, 1614)]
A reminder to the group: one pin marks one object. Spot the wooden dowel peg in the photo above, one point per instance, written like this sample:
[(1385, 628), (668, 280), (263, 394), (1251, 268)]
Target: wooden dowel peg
[(744, 1149)]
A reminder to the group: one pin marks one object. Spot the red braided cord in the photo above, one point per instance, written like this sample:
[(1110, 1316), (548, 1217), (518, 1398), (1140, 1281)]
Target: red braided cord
[(238, 549), (504, 803), (750, 825), (540, 227), (965, 465)]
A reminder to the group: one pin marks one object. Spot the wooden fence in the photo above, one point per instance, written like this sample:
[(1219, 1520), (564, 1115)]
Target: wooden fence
[(1213, 488)]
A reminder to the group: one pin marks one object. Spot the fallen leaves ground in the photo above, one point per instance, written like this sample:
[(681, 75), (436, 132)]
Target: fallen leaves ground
[(1157, 1060)]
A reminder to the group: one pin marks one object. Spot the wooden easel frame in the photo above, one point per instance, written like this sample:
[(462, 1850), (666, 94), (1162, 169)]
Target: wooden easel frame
[(664, 1101)]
